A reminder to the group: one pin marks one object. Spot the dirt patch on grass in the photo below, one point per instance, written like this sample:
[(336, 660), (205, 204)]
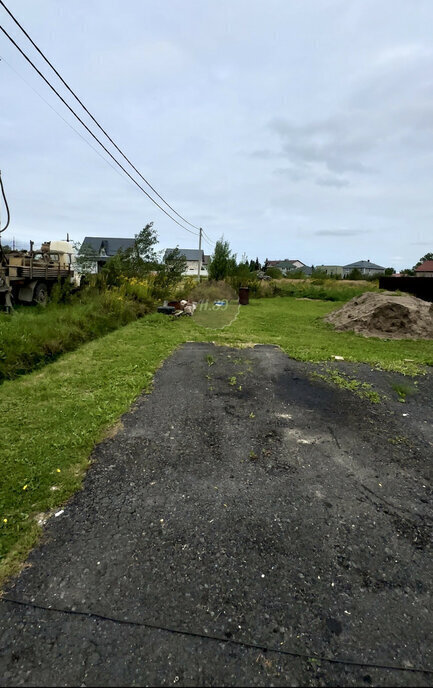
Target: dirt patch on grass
[(385, 315)]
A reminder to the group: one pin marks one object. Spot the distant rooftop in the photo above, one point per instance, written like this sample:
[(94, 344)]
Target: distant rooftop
[(363, 264), (427, 266), (110, 245)]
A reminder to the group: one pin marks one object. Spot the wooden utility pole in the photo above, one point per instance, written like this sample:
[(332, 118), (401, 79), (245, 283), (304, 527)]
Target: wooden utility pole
[(199, 254)]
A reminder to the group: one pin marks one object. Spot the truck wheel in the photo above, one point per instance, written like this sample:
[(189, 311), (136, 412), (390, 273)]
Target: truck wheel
[(40, 295)]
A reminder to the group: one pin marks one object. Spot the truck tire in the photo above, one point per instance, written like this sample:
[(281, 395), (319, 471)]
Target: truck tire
[(40, 294)]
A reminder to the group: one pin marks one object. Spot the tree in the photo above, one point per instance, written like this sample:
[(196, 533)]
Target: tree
[(85, 258), (355, 274), (145, 242), (6, 248), (222, 262), (257, 265), (136, 261), (142, 256), (274, 273), (428, 256), (389, 271), (170, 271)]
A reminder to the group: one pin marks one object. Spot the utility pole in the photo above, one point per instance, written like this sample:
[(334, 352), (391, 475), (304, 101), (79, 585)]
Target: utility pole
[(199, 253)]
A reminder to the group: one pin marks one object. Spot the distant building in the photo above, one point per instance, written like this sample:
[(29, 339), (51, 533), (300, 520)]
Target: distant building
[(331, 270), (191, 256), (103, 248), (365, 267), (286, 266), (425, 269)]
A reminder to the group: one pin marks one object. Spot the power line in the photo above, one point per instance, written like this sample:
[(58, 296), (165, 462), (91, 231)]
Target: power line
[(209, 240), (92, 117), (6, 206), (2, 59), (211, 244), (91, 132)]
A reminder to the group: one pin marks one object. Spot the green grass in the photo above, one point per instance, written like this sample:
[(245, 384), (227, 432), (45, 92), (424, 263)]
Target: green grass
[(362, 389), (321, 289), (52, 417), (33, 336), (403, 390), (297, 327)]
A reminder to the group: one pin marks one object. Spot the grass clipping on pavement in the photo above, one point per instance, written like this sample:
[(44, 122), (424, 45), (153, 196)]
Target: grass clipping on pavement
[(52, 418)]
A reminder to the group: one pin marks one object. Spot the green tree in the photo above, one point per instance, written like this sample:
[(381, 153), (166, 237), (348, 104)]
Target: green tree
[(274, 273), (136, 261), (355, 274), (85, 258), (223, 262), (389, 271), (171, 270), (142, 256)]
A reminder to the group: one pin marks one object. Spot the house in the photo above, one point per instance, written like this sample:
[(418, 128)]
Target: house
[(331, 270), (191, 256), (103, 248), (425, 269), (365, 267), (286, 266)]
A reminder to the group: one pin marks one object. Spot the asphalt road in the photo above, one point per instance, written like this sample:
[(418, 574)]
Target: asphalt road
[(247, 526)]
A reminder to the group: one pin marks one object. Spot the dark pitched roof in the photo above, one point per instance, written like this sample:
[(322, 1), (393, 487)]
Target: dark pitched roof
[(363, 264), (188, 253), (110, 244), (427, 266), (284, 263)]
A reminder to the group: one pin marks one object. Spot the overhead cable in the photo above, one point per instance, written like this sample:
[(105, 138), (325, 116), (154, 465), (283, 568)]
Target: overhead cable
[(2, 59), (91, 132), (92, 117), (6, 205)]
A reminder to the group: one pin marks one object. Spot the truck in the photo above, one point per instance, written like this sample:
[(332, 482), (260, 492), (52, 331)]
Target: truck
[(28, 276)]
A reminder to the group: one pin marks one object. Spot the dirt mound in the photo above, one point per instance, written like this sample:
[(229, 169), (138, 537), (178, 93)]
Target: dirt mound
[(385, 315)]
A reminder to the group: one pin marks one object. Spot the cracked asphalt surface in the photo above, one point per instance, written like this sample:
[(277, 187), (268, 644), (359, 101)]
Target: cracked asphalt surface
[(244, 514)]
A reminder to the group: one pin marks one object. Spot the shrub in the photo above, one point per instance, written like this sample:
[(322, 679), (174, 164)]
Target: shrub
[(274, 273)]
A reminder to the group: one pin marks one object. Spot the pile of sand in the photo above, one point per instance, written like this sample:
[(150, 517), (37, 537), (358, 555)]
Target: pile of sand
[(385, 315)]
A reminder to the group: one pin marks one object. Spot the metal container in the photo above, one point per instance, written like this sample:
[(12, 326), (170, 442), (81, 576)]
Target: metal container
[(244, 296)]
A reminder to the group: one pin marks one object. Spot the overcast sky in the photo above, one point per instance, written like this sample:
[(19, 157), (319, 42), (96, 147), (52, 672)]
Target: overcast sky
[(298, 129)]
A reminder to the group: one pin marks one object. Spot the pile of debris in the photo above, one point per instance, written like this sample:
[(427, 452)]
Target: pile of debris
[(178, 308), (385, 315)]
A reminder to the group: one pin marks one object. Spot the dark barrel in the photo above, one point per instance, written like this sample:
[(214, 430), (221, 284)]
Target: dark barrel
[(244, 296)]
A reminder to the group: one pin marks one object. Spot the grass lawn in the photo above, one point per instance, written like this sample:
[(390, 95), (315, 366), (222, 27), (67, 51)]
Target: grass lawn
[(52, 418), (33, 336)]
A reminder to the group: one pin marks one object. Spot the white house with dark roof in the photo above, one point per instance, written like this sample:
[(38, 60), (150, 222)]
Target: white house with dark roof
[(192, 258), (365, 267), (104, 248)]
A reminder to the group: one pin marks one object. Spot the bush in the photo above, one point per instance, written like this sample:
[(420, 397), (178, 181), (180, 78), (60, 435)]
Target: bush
[(274, 273)]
